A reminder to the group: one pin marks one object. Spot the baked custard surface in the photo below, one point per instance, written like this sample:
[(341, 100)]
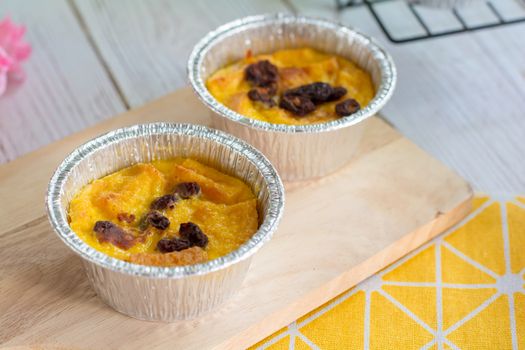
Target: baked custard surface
[(225, 210), (296, 67)]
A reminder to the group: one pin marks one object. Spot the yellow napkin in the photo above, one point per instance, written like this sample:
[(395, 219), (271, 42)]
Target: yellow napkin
[(463, 290)]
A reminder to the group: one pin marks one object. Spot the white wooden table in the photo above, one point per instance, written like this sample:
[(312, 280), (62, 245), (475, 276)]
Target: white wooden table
[(461, 98)]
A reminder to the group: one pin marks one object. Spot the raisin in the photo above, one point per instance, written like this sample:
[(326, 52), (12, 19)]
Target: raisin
[(167, 245), (318, 92), (103, 226), (129, 218), (261, 73), (164, 202), (193, 233), (337, 93), (270, 89), (157, 220), (347, 107), (186, 190), (262, 94), (297, 104), (109, 232)]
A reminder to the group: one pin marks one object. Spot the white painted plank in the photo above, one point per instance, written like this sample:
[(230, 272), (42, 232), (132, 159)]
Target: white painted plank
[(461, 98), (438, 20), (66, 89), (146, 43), (510, 9), (315, 8), (391, 11), (477, 14)]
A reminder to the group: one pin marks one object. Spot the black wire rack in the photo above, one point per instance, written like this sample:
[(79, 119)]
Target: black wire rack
[(420, 18)]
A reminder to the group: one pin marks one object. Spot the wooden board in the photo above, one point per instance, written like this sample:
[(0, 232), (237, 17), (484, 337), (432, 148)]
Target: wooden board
[(335, 232)]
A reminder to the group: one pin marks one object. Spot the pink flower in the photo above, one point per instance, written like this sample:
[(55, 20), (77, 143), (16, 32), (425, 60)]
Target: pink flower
[(12, 52)]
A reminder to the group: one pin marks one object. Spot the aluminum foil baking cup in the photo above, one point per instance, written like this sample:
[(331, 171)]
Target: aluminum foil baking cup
[(165, 293), (297, 151)]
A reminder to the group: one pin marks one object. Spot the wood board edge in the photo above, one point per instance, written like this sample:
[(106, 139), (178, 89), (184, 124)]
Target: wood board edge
[(312, 300)]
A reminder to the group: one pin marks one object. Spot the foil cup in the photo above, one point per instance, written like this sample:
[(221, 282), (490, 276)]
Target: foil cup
[(298, 152), (165, 293)]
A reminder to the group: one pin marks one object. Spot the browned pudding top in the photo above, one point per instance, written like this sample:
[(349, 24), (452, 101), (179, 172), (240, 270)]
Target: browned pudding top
[(170, 212), (296, 86)]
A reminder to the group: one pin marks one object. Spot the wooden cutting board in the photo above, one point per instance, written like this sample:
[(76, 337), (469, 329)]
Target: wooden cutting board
[(335, 233)]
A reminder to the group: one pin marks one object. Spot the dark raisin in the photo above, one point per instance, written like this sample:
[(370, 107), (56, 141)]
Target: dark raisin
[(164, 202), (263, 95), (347, 107), (167, 245), (297, 104), (157, 220), (337, 93), (270, 89), (103, 226), (316, 92), (186, 190), (262, 73), (193, 233), (109, 232), (129, 218)]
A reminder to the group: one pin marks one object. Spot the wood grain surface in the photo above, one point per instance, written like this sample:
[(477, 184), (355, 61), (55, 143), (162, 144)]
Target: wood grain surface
[(335, 232), (146, 44), (67, 88)]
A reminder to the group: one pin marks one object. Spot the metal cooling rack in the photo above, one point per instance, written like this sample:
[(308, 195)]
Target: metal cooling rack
[(419, 22)]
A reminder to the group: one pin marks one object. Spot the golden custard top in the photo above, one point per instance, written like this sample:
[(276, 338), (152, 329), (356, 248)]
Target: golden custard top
[(165, 213), (295, 87)]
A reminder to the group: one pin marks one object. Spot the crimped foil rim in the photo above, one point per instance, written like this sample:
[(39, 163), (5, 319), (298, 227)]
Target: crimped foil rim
[(383, 94), (270, 222)]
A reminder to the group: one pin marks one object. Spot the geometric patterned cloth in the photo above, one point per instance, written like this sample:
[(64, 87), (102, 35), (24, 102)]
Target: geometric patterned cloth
[(464, 289)]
